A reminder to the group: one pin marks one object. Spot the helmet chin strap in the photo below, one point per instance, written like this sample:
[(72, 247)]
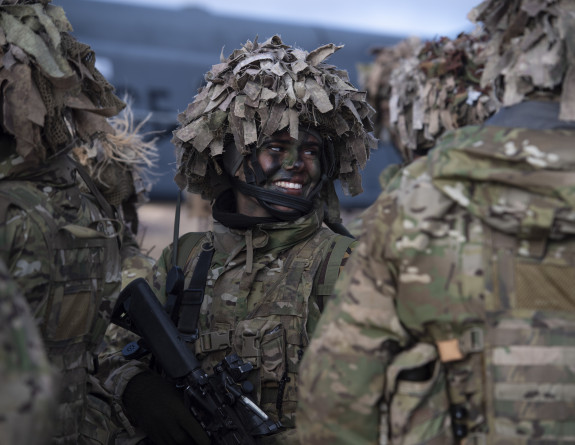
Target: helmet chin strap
[(268, 198), (256, 179)]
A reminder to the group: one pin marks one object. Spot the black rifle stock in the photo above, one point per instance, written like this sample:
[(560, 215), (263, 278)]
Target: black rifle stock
[(218, 401)]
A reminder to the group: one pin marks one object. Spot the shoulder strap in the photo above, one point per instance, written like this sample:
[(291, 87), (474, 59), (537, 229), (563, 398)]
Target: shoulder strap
[(331, 265), (185, 311), (186, 244), (106, 207), (25, 202), (194, 295), (175, 278)]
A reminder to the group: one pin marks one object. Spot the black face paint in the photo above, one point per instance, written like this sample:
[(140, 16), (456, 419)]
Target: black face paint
[(292, 167), (283, 175), (274, 165)]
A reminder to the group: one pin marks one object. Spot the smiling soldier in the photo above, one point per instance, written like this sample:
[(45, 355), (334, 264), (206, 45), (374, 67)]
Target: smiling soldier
[(263, 140)]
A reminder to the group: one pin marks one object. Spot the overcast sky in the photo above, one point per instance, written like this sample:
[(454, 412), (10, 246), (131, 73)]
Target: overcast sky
[(425, 18)]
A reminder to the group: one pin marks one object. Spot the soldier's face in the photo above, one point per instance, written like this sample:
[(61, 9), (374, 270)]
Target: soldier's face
[(292, 166)]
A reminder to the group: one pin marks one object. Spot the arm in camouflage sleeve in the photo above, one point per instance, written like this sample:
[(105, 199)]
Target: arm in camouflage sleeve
[(29, 392), (135, 263), (342, 372)]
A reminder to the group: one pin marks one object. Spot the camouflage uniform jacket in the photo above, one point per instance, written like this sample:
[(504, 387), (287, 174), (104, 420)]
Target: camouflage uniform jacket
[(264, 295), (29, 383), (63, 252), (455, 315)]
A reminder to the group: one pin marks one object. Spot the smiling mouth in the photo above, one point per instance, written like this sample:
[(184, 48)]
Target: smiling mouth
[(288, 185)]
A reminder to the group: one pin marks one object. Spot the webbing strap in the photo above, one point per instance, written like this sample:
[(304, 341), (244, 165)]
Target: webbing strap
[(107, 208), (186, 245), (468, 342), (194, 295), (342, 243)]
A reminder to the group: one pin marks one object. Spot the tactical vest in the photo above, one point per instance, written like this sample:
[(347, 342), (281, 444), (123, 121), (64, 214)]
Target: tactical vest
[(84, 279), (273, 336), (496, 358)]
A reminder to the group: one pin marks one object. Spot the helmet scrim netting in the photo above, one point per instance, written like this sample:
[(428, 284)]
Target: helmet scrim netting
[(437, 89), (52, 94), (264, 88), (531, 50)]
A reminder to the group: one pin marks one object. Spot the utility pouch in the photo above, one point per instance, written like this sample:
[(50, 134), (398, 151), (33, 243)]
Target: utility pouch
[(262, 342), (416, 391), (273, 349), (77, 290)]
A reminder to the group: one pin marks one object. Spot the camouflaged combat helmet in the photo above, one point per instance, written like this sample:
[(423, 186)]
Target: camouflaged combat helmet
[(52, 94), (264, 88), (438, 89), (531, 51), (376, 75)]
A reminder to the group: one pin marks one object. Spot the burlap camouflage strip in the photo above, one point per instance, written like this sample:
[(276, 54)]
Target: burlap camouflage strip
[(121, 164), (376, 75), (47, 75), (523, 33), (438, 90)]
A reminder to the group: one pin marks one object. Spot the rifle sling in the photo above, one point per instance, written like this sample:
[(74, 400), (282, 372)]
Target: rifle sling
[(194, 296)]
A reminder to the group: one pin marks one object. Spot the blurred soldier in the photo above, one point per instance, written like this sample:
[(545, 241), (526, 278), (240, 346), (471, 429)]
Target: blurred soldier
[(60, 244), (29, 385), (264, 139), (453, 321), (120, 167), (433, 87), (376, 78), (390, 63)]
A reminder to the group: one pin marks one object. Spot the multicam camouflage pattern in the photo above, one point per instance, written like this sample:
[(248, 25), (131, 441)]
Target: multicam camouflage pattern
[(63, 253), (263, 299), (29, 384), (474, 252), (59, 243)]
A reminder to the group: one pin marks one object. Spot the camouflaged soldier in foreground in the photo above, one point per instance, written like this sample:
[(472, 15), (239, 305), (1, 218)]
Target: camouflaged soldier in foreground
[(61, 245), (264, 140), (454, 319), (29, 384)]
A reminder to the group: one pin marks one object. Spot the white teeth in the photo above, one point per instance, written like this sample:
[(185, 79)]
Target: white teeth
[(288, 185)]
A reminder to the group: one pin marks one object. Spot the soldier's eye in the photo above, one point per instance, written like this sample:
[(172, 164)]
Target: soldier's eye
[(311, 152)]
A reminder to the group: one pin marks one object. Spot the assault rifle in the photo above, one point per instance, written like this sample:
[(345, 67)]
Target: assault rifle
[(218, 401)]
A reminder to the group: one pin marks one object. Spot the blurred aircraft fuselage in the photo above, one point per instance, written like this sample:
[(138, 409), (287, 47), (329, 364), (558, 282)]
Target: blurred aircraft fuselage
[(159, 58)]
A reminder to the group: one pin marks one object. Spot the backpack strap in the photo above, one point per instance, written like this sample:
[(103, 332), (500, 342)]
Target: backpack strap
[(185, 311), (330, 269), (26, 199), (194, 295), (186, 245)]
